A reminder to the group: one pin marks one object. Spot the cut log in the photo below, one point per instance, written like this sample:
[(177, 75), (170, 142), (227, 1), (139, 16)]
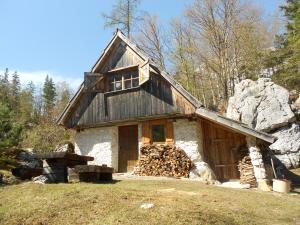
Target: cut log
[(246, 171), (163, 160)]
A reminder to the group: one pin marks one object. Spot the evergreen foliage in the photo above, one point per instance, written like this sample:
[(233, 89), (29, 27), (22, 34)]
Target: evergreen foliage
[(10, 131), (49, 95), (286, 58)]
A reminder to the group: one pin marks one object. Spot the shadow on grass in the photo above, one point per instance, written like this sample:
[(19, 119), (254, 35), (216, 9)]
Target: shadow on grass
[(283, 173), (97, 181)]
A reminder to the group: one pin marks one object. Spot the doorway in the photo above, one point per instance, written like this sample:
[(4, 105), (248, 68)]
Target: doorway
[(128, 148)]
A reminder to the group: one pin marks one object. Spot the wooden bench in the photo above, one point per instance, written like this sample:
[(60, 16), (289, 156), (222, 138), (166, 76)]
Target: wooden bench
[(94, 173), (56, 164)]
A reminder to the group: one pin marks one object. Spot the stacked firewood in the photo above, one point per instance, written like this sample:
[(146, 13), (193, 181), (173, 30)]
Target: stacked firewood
[(163, 160), (246, 171)]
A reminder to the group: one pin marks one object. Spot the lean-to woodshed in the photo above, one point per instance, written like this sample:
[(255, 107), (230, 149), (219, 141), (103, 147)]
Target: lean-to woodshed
[(125, 101)]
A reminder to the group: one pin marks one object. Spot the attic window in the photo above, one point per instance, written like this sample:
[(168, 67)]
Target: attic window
[(123, 80)]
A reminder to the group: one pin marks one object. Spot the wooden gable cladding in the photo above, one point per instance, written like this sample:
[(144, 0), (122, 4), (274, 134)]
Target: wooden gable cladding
[(119, 56), (155, 98), (182, 103), (94, 82), (221, 147), (147, 130)]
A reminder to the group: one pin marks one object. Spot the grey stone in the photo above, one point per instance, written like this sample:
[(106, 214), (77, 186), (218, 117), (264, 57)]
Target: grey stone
[(40, 179), (66, 146), (28, 167), (267, 107), (296, 108), (287, 146), (203, 172), (260, 104), (27, 158)]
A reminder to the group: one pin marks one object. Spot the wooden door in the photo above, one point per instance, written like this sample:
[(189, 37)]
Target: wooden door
[(221, 147), (128, 148)]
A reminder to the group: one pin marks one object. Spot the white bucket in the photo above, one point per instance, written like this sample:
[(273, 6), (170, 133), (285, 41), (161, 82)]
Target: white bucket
[(283, 186)]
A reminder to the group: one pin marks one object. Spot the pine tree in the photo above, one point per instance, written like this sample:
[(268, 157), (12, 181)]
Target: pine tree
[(10, 132), (15, 89), (49, 96), (4, 88), (287, 55)]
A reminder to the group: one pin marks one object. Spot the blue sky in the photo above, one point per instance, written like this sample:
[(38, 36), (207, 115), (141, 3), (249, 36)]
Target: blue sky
[(63, 38)]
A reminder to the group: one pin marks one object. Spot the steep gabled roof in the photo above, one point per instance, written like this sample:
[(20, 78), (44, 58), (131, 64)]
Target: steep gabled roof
[(118, 34)]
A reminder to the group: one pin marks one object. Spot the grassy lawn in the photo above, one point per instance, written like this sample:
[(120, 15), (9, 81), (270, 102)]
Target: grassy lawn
[(175, 202)]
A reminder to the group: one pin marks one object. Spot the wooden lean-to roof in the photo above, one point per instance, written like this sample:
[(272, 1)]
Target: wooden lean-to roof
[(200, 110)]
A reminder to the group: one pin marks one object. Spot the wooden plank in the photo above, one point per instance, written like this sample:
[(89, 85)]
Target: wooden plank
[(220, 145), (146, 133), (128, 147), (169, 132)]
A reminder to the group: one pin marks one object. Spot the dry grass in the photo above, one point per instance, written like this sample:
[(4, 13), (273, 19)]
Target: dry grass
[(176, 202)]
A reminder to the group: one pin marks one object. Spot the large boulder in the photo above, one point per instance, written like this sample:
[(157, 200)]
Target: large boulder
[(261, 104), (203, 172), (287, 145), (266, 106)]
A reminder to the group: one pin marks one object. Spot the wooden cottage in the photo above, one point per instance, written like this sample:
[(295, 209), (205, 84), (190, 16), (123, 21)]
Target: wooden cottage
[(125, 101)]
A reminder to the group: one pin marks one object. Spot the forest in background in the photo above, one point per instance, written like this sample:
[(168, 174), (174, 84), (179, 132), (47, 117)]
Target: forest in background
[(212, 46)]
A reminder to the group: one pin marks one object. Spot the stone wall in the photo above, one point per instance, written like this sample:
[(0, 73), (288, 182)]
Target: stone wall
[(101, 143), (187, 137)]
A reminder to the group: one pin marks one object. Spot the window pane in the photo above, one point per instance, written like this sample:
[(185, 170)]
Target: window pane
[(127, 76), (118, 85), (158, 133), (118, 77), (135, 82), (127, 84), (135, 74)]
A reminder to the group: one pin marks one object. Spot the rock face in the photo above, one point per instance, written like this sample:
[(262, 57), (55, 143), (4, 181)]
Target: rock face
[(267, 107), (261, 104), (287, 146)]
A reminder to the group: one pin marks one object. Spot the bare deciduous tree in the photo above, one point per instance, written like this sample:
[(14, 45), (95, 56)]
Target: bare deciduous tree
[(221, 41), (123, 15), (151, 39)]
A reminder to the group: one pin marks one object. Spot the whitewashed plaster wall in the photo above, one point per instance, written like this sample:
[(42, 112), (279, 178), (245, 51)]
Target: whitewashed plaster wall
[(100, 143), (187, 136)]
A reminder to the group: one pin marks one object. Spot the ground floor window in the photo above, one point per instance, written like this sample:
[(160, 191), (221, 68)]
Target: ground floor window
[(158, 133)]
